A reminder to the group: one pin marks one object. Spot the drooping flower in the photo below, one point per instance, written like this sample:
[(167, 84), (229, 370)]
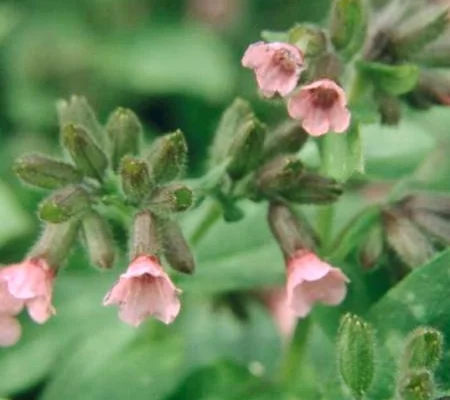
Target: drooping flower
[(310, 280), (277, 66), (10, 330), (321, 106), (145, 290), (28, 284)]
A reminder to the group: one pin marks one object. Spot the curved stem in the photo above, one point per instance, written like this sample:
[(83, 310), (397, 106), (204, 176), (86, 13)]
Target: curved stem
[(209, 219)]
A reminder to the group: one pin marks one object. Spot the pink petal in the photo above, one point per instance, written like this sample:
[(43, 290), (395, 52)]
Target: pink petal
[(299, 105), (336, 291), (40, 309), (316, 122), (8, 303), (143, 265), (10, 331), (256, 55), (298, 303), (307, 266), (339, 118)]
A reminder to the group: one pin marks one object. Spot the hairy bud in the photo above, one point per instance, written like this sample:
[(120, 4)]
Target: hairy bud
[(144, 236), (372, 247), (136, 180), (416, 385), (171, 198)]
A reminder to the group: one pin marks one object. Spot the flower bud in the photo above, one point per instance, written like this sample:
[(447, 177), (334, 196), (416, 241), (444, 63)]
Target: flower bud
[(291, 231), (167, 157), (87, 156), (176, 248), (287, 138), (416, 385), (328, 66), (424, 349), (439, 204), (64, 204), (55, 242), (355, 352), (124, 131), (236, 115), (99, 240), (171, 198), (40, 171), (436, 225), (408, 242), (310, 39), (348, 26), (246, 148), (136, 181), (144, 237), (372, 247), (77, 111)]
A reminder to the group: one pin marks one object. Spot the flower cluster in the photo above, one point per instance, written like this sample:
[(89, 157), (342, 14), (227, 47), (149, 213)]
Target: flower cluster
[(321, 106)]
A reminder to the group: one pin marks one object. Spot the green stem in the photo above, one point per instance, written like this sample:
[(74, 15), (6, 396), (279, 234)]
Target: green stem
[(325, 217), (212, 215), (293, 361)]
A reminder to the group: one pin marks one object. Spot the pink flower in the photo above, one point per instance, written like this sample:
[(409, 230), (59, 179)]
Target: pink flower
[(145, 290), (10, 330), (29, 284), (321, 106), (310, 280), (277, 66)]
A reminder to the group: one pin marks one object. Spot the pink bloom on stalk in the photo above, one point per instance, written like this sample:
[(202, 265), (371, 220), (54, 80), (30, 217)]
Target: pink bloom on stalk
[(310, 280), (284, 317), (29, 284), (10, 330), (277, 66), (321, 106), (145, 290)]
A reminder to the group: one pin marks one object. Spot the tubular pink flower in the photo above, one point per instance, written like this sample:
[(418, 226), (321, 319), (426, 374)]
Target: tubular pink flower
[(310, 280), (284, 318), (277, 66), (321, 106), (145, 290), (29, 284), (10, 330)]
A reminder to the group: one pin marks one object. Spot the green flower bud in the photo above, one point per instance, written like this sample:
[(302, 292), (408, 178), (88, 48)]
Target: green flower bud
[(55, 242), (64, 204), (408, 242), (136, 180), (87, 156), (372, 247), (416, 385), (233, 118), (43, 172), (124, 131), (246, 149), (99, 240), (424, 349), (144, 237), (287, 138), (348, 26), (176, 248), (355, 351), (77, 111), (291, 231), (310, 39), (172, 198), (167, 157)]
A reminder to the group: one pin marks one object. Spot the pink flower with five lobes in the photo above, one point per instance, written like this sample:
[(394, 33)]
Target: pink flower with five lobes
[(311, 280), (321, 107), (145, 290), (277, 66)]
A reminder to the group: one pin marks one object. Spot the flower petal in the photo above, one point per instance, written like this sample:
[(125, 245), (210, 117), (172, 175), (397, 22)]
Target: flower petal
[(10, 331), (339, 118)]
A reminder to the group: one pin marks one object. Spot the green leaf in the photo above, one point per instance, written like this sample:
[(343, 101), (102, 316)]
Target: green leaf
[(392, 79), (273, 36)]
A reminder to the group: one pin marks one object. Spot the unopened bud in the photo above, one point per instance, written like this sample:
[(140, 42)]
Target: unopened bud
[(310, 39), (246, 149), (99, 240), (439, 204), (167, 157), (408, 242), (64, 204), (436, 225), (87, 156), (390, 109), (424, 29), (416, 385), (355, 351), (124, 131), (43, 172), (136, 180), (291, 231), (348, 26), (424, 349), (372, 247), (328, 66), (176, 248), (171, 198), (233, 118), (77, 111), (144, 237), (287, 138), (55, 242)]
